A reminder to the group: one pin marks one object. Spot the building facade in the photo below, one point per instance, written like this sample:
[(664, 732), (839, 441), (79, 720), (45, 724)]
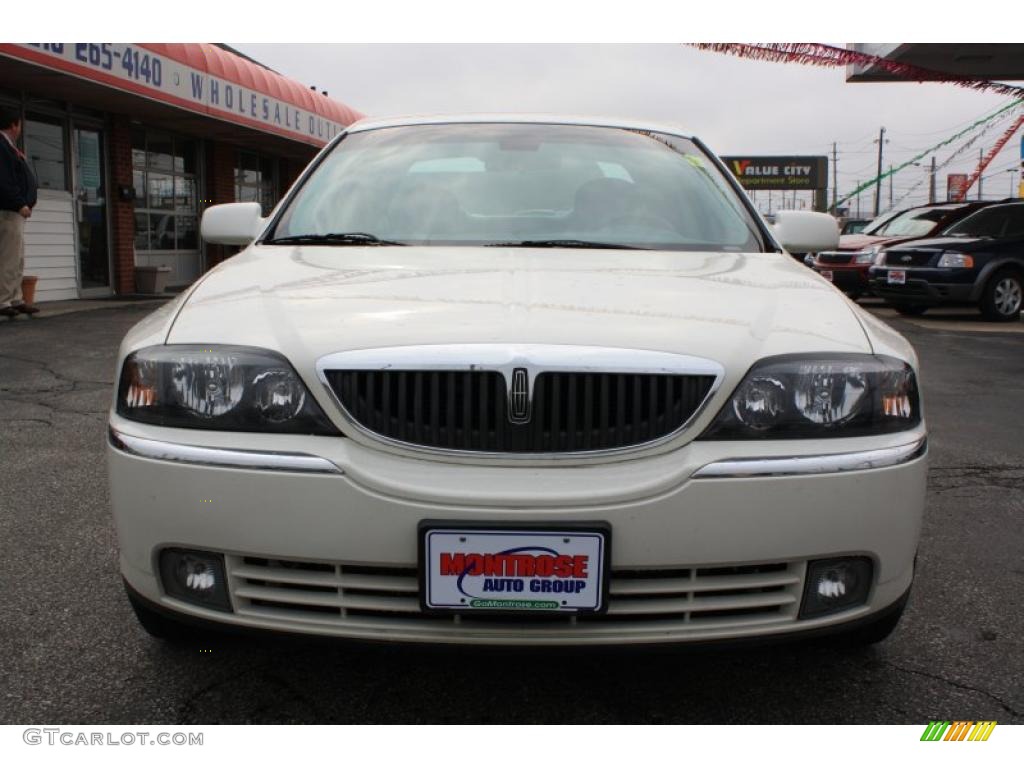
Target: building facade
[(130, 142)]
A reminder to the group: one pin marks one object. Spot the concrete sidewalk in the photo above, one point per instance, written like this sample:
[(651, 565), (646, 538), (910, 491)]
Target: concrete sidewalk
[(56, 308)]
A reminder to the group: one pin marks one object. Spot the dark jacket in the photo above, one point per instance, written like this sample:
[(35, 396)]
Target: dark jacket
[(17, 182)]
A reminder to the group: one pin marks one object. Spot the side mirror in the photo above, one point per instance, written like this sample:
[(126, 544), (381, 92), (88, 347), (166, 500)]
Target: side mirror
[(232, 223), (806, 231)]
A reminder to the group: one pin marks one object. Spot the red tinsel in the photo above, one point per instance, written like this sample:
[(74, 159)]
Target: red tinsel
[(989, 157), (821, 55)]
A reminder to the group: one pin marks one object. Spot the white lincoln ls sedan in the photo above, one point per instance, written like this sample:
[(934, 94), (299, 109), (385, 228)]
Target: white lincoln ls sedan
[(522, 381)]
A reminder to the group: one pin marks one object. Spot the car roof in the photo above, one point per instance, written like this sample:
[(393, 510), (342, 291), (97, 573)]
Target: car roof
[(369, 124)]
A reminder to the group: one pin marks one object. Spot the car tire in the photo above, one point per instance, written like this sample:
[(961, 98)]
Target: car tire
[(1001, 299), (911, 310), (163, 627)]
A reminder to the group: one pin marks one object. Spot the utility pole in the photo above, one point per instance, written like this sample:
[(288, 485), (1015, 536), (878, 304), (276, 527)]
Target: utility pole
[(931, 183), (878, 176), (857, 187), (981, 179), (835, 177), (769, 201), (890, 188), (1012, 172)]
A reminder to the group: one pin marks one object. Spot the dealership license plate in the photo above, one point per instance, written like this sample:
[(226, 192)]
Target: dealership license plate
[(897, 277), (826, 273), (538, 569)]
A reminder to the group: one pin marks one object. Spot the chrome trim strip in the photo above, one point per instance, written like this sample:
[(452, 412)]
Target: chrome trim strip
[(221, 457), (505, 358), (814, 465)]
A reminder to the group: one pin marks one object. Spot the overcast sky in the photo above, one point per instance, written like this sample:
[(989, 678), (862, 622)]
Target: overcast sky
[(734, 105)]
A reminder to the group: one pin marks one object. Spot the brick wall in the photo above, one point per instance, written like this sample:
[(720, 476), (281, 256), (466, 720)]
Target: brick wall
[(122, 214), (220, 188)]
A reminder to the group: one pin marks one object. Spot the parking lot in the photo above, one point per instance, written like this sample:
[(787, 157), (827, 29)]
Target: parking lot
[(71, 650)]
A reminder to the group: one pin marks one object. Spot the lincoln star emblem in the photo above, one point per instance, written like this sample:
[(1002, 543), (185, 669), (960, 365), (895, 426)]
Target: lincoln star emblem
[(519, 397)]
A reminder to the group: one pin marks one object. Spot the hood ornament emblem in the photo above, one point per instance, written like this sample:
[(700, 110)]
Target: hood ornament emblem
[(519, 397)]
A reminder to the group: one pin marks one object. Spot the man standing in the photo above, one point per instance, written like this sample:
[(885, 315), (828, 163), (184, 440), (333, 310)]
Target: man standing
[(17, 199)]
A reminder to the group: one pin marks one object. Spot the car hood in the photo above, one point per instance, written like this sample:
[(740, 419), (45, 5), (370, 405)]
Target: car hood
[(860, 242), (945, 243), (309, 301)]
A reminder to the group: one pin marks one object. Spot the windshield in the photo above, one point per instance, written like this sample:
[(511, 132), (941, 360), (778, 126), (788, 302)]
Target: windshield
[(531, 184), (916, 222), (996, 221)]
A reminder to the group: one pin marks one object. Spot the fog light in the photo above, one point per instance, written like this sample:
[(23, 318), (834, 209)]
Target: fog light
[(835, 585), (195, 577)]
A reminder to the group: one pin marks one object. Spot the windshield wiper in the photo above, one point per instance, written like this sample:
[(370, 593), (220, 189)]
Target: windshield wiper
[(564, 244), (332, 238)]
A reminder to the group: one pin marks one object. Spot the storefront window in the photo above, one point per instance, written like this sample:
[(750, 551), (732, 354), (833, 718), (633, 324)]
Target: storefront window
[(256, 180), (164, 177), (44, 149)]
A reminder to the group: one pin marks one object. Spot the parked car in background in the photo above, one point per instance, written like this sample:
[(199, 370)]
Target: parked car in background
[(979, 260), (517, 380), (847, 266)]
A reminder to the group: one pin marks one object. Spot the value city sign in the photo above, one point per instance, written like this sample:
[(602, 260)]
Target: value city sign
[(789, 172)]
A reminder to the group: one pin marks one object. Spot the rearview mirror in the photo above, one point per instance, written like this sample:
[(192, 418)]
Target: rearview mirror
[(806, 231), (232, 223)]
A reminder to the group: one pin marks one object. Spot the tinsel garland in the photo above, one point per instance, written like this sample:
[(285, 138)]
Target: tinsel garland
[(822, 55)]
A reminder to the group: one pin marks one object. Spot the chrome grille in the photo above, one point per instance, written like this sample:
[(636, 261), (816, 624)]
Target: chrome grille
[(469, 410), (349, 597), (909, 257)]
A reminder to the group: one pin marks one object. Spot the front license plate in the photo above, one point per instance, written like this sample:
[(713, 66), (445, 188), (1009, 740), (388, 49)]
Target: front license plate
[(535, 569), (897, 276), (827, 274)]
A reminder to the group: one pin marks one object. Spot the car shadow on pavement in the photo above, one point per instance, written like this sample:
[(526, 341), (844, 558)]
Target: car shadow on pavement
[(293, 680)]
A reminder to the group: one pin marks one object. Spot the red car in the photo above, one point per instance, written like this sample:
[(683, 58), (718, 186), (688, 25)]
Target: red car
[(848, 266)]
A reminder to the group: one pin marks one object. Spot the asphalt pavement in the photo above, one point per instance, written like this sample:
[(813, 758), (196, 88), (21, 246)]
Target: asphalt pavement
[(72, 652)]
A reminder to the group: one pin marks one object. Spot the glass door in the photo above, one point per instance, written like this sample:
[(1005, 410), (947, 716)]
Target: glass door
[(91, 190)]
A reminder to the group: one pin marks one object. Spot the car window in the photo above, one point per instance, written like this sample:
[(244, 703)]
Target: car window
[(994, 221), (1014, 221), (913, 223), (880, 221), (480, 184)]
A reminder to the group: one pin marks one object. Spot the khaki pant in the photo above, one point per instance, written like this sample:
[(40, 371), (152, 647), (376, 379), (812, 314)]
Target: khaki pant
[(12, 257)]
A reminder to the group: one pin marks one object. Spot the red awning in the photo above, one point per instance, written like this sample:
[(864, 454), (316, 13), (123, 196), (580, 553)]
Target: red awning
[(218, 62)]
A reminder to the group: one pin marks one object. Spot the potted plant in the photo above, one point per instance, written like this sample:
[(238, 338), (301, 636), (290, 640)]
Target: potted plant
[(28, 289), (151, 279)]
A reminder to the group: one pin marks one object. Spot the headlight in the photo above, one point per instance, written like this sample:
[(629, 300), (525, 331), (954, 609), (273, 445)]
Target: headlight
[(868, 255), (956, 260), (226, 388), (842, 395)]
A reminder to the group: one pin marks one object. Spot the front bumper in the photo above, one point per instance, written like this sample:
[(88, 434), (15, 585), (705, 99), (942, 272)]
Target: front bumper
[(930, 287), (693, 559), (846, 278)]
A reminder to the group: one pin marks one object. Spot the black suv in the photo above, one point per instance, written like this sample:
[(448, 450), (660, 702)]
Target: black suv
[(979, 260)]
